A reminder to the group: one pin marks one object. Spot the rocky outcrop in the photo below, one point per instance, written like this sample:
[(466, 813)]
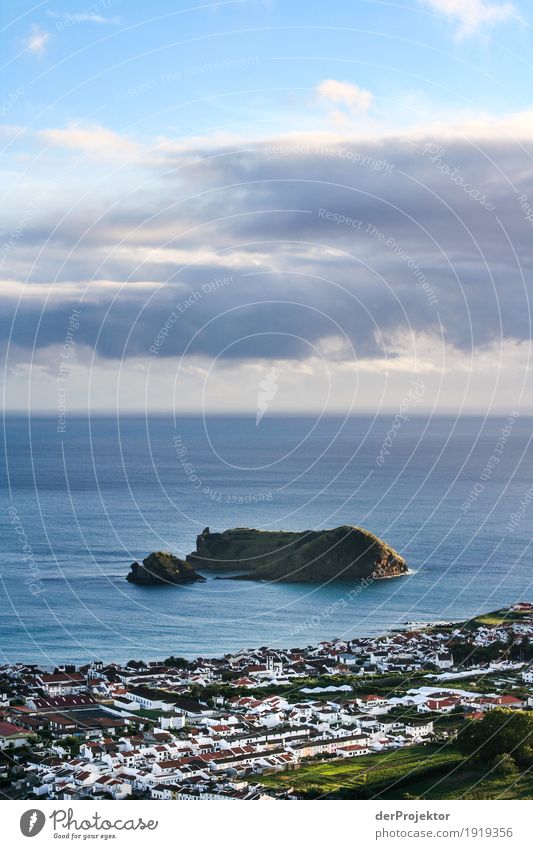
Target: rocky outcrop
[(162, 568), (346, 553)]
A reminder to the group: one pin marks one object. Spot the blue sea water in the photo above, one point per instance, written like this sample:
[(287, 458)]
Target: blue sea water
[(83, 504)]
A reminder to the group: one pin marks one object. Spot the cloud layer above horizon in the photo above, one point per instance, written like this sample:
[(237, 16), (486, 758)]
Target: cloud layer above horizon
[(369, 244), (371, 237)]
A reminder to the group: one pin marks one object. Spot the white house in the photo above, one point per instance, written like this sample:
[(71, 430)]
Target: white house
[(527, 675), (172, 721), (62, 683), (418, 729), (353, 750), (443, 659), (372, 704), (13, 736)]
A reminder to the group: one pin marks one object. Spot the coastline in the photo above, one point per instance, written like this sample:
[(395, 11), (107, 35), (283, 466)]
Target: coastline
[(255, 723)]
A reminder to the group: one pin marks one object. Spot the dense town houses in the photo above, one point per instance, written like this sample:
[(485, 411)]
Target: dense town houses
[(210, 728)]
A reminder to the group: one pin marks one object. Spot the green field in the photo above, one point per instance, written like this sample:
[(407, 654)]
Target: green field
[(428, 772), (366, 776), (498, 617), (492, 619)]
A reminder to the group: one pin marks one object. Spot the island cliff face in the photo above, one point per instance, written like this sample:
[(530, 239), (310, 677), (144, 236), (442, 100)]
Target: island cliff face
[(291, 556), (162, 568)]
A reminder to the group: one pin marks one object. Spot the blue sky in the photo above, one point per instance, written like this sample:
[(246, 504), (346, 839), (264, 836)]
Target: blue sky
[(86, 58), (151, 149)]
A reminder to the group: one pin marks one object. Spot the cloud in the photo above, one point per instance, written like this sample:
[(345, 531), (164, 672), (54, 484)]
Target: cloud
[(344, 94), (93, 140), (37, 41), (472, 15), (289, 249)]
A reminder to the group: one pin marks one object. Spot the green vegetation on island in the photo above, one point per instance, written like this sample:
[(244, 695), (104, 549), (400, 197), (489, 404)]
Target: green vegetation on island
[(345, 553), (162, 568)]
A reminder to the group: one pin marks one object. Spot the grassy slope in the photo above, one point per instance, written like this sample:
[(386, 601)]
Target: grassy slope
[(498, 617), (427, 772), (365, 776)]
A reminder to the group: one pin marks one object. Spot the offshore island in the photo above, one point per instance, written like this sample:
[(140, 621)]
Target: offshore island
[(433, 711), (343, 553)]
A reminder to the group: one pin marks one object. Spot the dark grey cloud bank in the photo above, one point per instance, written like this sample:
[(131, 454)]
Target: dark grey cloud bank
[(362, 243)]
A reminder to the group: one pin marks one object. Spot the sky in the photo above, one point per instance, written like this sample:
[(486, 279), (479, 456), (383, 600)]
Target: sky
[(263, 207)]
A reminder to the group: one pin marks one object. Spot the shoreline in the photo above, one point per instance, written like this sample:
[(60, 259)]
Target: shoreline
[(255, 723), (393, 630)]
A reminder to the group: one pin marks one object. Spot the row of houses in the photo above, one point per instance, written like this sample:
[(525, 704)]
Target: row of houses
[(144, 729)]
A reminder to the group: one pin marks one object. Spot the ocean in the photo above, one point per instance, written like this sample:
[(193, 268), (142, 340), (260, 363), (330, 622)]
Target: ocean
[(451, 494)]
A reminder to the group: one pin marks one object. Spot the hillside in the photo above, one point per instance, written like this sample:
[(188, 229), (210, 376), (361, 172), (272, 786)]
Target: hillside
[(346, 552)]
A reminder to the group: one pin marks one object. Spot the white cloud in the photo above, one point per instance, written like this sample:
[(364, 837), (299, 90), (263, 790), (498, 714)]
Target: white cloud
[(88, 290), (93, 140), (471, 15), (345, 94), (212, 221), (37, 41), (451, 380)]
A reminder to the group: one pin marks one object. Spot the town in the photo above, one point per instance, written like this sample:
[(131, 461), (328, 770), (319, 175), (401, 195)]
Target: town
[(245, 726)]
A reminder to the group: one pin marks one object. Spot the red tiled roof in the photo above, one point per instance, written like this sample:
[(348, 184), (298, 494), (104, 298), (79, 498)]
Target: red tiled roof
[(61, 677), (7, 729)]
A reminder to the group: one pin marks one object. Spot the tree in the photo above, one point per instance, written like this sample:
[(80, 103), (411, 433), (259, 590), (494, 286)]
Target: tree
[(499, 732), (504, 765), (73, 743), (178, 662), (526, 649)]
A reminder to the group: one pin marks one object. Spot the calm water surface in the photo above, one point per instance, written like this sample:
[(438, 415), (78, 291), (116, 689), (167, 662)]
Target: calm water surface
[(108, 491)]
